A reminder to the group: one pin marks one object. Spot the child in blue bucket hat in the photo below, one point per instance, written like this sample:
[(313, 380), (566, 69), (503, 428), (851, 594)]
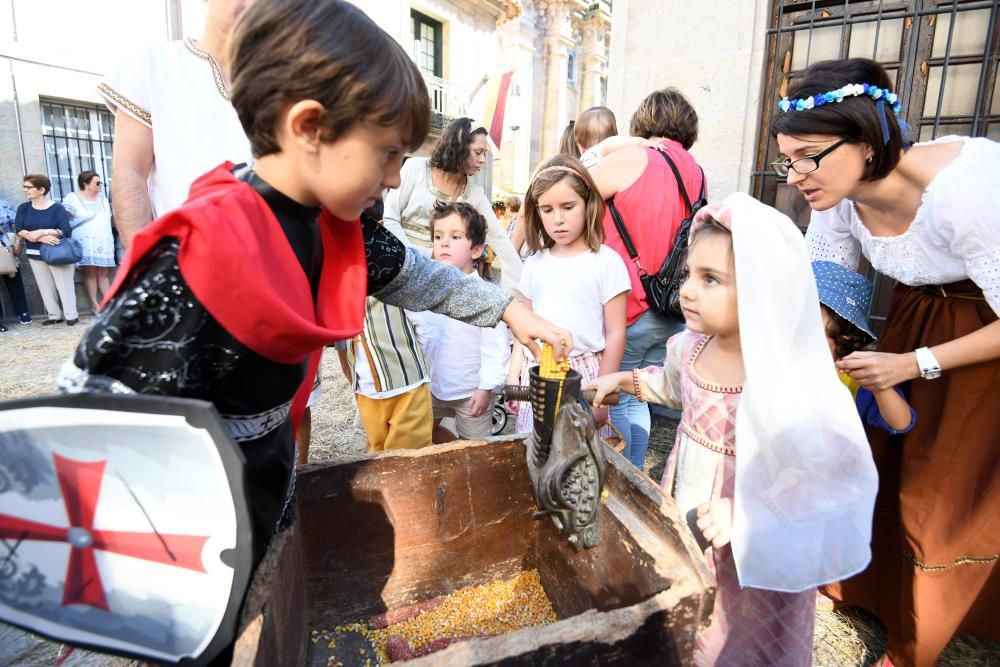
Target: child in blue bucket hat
[(844, 296)]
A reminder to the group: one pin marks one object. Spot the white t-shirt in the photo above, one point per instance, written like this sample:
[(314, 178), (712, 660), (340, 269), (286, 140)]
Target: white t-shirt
[(571, 292), (461, 358), (177, 91)]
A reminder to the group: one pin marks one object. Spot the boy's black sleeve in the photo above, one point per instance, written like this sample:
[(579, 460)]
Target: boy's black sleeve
[(154, 337), (384, 253)]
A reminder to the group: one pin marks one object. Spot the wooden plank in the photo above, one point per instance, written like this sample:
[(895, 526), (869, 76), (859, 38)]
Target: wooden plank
[(380, 532), (273, 629)]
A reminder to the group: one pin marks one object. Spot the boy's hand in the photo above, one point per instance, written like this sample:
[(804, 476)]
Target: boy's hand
[(528, 328), (715, 521), (479, 402)]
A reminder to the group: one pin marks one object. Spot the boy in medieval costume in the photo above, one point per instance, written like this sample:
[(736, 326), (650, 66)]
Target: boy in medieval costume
[(231, 298)]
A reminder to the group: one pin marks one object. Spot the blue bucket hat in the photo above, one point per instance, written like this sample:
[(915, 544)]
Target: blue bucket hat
[(845, 292)]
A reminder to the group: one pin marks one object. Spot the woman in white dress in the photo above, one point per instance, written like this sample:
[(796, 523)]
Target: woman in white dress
[(447, 176), (926, 216), (91, 221)]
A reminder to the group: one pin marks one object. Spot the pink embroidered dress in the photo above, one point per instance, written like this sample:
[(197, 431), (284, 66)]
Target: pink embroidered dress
[(750, 626)]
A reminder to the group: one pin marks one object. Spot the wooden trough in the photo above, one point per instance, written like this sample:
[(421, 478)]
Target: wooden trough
[(378, 532)]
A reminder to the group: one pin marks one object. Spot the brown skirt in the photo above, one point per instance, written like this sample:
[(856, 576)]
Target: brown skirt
[(936, 537)]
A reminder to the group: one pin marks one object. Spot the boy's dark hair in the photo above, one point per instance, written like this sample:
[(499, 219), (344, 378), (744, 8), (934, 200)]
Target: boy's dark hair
[(855, 118), (567, 142), (846, 337), (475, 227), (85, 177), (452, 149), (594, 126), (666, 113), (286, 51), (40, 181)]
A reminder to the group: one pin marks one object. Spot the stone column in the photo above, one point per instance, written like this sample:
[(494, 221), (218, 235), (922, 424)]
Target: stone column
[(594, 29), (556, 18), (518, 34)]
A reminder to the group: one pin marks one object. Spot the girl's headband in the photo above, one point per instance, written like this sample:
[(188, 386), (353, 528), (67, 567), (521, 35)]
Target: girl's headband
[(559, 167), (880, 95)]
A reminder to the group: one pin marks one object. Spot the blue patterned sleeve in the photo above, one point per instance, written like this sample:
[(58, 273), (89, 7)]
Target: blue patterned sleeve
[(868, 409)]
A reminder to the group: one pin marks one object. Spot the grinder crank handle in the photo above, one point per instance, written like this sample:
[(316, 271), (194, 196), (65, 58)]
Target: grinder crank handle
[(517, 392)]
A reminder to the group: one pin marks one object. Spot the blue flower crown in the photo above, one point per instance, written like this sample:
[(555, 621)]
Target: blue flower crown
[(850, 90)]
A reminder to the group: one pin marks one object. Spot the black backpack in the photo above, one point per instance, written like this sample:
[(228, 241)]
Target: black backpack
[(663, 287)]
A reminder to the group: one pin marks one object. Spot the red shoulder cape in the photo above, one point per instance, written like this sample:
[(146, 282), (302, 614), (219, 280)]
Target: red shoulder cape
[(237, 261)]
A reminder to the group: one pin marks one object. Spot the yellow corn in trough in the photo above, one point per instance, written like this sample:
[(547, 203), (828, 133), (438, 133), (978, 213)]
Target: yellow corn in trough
[(377, 533)]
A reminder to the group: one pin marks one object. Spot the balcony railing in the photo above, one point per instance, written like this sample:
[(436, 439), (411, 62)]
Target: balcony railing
[(447, 100)]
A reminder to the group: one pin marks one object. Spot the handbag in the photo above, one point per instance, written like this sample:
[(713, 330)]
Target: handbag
[(663, 287), (68, 251), (8, 262)]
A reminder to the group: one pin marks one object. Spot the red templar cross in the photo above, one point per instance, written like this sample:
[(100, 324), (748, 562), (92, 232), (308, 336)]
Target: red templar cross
[(81, 487)]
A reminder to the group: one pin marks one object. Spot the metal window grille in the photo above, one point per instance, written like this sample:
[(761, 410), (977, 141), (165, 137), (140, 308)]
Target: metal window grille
[(943, 55), (76, 137)]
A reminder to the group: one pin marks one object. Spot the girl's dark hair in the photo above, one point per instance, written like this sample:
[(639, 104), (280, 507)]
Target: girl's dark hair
[(567, 142), (40, 181), (475, 228), (708, 226), (578, 178), (856, 118), (286, 51), (85, 177), (452, 149), (846, 337), (666, 113)]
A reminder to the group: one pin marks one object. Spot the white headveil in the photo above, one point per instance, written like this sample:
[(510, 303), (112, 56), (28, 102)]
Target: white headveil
[(805, 479)]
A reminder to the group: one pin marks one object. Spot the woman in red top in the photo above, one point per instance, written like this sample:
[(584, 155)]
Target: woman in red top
[(645, 193)]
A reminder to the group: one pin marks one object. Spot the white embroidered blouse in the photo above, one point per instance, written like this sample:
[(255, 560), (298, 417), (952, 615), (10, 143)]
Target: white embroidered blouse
[(955, 234), (178, 91)]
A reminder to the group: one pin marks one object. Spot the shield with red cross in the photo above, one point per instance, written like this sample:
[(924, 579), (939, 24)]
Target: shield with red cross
[(123, 525)]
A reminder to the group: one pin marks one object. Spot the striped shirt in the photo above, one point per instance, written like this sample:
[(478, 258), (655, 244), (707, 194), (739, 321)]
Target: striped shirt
[(385, 357)]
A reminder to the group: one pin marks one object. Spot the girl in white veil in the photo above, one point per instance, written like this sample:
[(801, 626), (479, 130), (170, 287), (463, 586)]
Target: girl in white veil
[(771, 466)]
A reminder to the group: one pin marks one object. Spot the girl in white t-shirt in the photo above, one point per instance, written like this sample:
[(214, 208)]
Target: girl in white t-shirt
[(466, 363), (569, 278)]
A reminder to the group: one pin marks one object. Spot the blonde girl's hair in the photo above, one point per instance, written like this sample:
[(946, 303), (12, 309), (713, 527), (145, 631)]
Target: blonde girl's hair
[(563, 168), (475, 229), (594, 126)]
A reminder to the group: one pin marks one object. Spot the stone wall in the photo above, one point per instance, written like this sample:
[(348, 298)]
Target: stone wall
[(713, 51)]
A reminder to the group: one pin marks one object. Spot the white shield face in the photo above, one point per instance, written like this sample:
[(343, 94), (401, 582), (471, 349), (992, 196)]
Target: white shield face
[(120, 530)]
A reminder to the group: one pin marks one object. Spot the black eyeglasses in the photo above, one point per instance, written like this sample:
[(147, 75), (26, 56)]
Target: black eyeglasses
[(97, 183), (806, 164)]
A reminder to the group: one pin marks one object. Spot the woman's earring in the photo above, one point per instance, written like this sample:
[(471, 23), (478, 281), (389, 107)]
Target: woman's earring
[(870, 158)]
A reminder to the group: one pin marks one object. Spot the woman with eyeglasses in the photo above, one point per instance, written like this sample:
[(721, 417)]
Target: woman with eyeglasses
[(91, 223), (927, 216), (41, 221)]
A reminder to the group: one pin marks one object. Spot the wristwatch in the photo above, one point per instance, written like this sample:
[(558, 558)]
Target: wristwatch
[(928, 363)]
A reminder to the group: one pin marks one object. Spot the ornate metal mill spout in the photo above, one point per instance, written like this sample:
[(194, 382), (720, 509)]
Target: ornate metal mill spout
[(565, 456)]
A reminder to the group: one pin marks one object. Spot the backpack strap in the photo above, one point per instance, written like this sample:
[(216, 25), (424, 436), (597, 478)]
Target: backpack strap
[(623, 233), (680, 185)]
